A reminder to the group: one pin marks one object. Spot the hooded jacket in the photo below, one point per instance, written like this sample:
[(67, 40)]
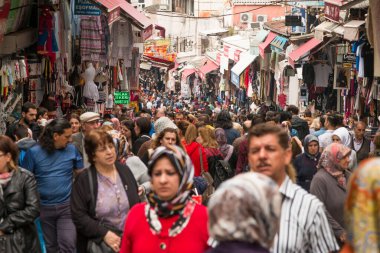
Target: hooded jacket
[(306, 164), (23, 145), (194, 150)]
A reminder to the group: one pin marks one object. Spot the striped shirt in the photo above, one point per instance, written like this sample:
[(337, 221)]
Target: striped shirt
[(303, 226)]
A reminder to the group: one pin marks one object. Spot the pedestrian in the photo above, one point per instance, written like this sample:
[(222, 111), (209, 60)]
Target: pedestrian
[(102, 195), (303, 224), (89, 121), (251, 205), (170, 221), (329, 185), (142, 129), (306, 163), (360, 144), (195, 150), (19, 203), (28, 119), (298, 123), (342, 136), (24, 141), (224, 121), (75, 123), (361, 209), (53, 162)]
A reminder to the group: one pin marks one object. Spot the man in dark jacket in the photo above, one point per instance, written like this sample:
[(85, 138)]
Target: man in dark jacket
[(29, 114), (297, 123), (359, 143)]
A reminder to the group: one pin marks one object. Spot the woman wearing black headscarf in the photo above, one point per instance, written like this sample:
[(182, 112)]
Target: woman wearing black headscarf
[(306, 163)]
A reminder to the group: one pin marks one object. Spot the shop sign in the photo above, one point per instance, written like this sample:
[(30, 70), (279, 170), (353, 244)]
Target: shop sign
[(225, 50), (237, 55), (332, 11), (349, 58), (121, 97), (299, 20), (86, 7), (113, 15), (235, 79)]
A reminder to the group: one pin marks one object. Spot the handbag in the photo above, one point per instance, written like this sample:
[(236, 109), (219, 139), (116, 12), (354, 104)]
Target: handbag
[(93, 246), (208, 178)]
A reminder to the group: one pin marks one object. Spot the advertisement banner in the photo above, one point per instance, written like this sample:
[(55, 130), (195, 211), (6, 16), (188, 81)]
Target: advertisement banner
[(86, 7)]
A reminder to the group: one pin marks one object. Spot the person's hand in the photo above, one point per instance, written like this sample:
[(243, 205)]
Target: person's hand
[(343, 237), (113, 241), (141, 190)]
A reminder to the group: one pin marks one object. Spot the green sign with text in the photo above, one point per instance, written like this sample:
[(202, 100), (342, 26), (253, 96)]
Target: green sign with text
[(121, 97)]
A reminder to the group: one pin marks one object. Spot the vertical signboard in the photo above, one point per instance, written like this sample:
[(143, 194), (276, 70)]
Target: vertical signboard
[(332, 12)]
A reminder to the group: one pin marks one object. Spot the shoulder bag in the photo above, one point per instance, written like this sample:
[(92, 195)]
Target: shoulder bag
[(210, 181)]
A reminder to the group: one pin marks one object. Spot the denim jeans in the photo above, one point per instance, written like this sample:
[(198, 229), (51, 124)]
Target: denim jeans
[(58, 228)]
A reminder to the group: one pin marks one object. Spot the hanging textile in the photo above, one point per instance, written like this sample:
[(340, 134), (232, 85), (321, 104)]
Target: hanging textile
[(91, 45)]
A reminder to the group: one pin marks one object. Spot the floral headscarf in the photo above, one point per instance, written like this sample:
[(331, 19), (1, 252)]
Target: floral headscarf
[(362, 209), (256, 219), (330, 159), (224, 148), (181, 204)]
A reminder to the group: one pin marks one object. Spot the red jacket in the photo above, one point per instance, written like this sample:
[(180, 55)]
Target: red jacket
[(138, 238), (192, 150)]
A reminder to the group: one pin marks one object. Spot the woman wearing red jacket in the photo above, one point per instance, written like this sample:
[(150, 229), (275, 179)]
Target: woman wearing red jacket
[(195, 150), (171, 221)]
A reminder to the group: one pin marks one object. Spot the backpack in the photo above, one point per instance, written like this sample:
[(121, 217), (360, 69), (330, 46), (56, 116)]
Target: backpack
[(219, 169)]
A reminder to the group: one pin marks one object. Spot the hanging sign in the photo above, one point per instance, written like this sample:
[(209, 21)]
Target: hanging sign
[(86, 7), (332, 12), (121, 97)]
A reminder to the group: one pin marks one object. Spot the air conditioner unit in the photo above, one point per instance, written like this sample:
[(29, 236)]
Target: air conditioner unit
[(164, 7), (255, 25), (245, 17), (262, 18)]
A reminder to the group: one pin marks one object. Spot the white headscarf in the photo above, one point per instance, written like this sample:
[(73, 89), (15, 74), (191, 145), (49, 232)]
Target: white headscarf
[(344, 136)]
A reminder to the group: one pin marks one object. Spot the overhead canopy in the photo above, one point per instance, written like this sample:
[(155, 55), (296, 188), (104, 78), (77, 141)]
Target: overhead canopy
[(302, 50), (213, 31), (127, 10), (266, 43), (207, 68), (188, 72), (279, 43), (243, 63)]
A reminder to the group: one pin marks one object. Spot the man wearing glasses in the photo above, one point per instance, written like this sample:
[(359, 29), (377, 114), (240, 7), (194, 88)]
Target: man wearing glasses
[(89, 121)]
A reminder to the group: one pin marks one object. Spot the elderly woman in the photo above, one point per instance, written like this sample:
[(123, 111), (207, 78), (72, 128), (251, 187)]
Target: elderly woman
[(102, 195), (329, 185), (171, 221), (306, 163), (362, 209), (19, 202), (251, 228), (342, 136)]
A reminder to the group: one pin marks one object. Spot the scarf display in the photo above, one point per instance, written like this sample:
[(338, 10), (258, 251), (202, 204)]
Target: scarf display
[(182, 204), (330, 159)]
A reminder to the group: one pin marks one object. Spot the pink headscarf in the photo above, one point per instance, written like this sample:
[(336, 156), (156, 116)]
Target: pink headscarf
[(330, 159)]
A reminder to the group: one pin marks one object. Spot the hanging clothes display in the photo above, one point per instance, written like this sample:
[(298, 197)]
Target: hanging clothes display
[(47, 43), (91, 46), (122, 43)]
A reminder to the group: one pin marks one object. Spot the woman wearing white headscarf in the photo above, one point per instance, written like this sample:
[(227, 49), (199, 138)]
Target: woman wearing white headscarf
[(251, 228), (342, 136)]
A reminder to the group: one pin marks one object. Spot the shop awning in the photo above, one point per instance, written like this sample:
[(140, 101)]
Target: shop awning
[(213, 31), (261, 35), (207, 68), (187, 72), (279, 43), (266, 43), (352, 29), (302, 50), (243, 63), (137, 18), (328, 27)]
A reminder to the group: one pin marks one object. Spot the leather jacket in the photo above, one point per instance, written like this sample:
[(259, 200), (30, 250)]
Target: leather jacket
[(19, 207)]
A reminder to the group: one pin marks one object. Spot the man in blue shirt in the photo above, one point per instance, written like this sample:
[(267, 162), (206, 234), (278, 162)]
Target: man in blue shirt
[(53, 161)]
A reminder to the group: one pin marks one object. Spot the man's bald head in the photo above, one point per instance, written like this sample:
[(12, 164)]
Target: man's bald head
[(247, 125)]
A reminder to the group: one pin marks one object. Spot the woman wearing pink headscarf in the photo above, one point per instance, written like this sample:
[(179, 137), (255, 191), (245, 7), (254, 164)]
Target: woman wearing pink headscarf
[(329, 185)]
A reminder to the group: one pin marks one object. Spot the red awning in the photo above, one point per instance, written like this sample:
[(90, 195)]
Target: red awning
[(137, 18), (266, 43), (295, 55), (187, 72), (208, 67)]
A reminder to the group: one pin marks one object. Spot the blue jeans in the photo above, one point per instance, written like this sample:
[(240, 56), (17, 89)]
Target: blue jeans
[(58, 228)]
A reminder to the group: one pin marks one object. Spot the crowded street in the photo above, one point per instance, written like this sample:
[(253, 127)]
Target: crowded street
[(189, 126)]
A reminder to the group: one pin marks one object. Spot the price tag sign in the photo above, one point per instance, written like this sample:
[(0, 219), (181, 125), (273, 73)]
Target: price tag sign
[(121, 97)]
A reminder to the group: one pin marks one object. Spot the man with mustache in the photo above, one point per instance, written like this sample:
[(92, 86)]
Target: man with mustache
[(303, 224), (29, 114)]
